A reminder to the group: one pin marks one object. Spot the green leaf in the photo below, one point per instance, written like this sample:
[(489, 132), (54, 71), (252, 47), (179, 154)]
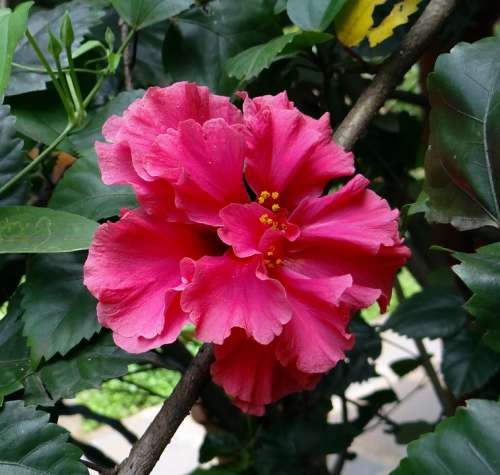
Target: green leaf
[(409, 431), (464, 444), (467, 363), (85, 138), (86, 366), (405, 366), (82, 192), (30, 229), (11, 158), (463, 159), (251, 62), (142, 13), (148, 68), (84, 15), (481, 273), (59, 312), (12, 28), (314, 14), (218, 444), (201, 41), (432, 313), (44, 123), (15, 362), (31, 445), (361, 359)]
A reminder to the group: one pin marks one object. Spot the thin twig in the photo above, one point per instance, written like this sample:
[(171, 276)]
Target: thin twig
[(97, 468), (127, 72), (70, 410), (442, 393), (148, 449), (392, 72)]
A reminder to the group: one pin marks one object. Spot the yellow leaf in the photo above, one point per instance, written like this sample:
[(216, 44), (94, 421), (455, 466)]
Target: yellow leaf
[(399, 16), (355, 21)]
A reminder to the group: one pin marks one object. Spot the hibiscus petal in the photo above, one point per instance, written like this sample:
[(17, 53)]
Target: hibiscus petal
[(353, 215), (352, 231), (164, 108), (228, 292), (246, 233), (133, 134), (316, 337), (289, 152), (174, 320), (252, 374), (132, 264), (204, 163)]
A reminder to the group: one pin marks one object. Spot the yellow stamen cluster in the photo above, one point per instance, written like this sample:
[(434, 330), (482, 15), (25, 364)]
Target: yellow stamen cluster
[(265, 195), (271, 262)]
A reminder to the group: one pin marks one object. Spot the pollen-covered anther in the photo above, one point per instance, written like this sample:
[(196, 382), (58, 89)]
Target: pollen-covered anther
[(264, 195), (275, 195), (275, 207)]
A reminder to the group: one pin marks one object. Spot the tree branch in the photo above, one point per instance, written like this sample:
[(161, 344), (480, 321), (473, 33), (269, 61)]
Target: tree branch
[(70, 410), (392, 72), (148, 449)]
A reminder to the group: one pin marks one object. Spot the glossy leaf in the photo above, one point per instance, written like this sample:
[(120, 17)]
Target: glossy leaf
[(142, 13), (31, 229), (249, 63), (12, 159), (467, 363), (201, 41), (314, 14), (463, 159), (82, 192), (84, 15), (12, 28), (31, 445), (464, 444), (15, 362), (355, 22), (432, 313), (59, 312), (481, 273), (85, 367)]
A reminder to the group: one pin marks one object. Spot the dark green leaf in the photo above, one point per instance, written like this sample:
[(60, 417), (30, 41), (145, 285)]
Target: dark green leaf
[(82, 192), (14, 354), (467, 364), (481, 273), (86, 366), (251, 62), (30, 229), (59, 312), (218, 444), (403, 367), (85, 138), (31, 445), (314, 14), (84, 15), (381, 397), (43, 123), (464, 444), (142, 13), (11, 158), (198, 46), (432, 313), (148, 68), (409, 431), (360, 364), (463, 160), (12, 28)]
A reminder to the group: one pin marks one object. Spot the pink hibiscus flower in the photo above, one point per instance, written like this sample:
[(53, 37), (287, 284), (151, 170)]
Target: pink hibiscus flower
[(234, 234)]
